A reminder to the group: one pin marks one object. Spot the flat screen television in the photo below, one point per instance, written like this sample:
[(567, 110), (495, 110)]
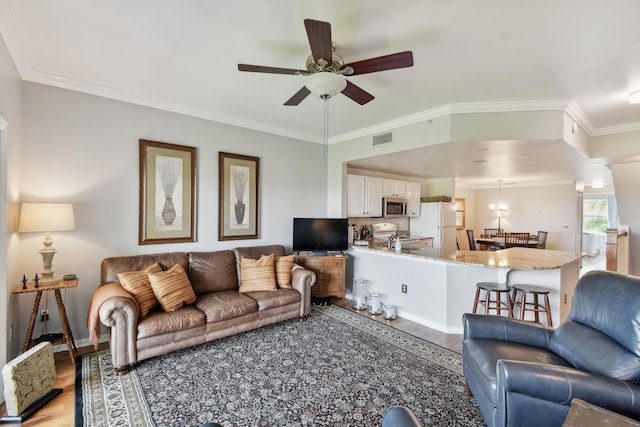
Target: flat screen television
[(320, 234)]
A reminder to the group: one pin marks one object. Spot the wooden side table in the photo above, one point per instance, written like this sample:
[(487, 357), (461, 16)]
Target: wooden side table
[(330, 274), (67, 335)]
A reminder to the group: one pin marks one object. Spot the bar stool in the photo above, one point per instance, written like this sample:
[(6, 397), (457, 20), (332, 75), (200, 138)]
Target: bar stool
[(536, 306), (496, 304)]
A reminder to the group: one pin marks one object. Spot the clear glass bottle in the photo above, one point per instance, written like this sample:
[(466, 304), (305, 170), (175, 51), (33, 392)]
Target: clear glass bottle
[(359, 294), (375, 303)]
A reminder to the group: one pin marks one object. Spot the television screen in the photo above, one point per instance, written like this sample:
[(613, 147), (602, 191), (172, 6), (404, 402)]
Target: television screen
[(320, 234)]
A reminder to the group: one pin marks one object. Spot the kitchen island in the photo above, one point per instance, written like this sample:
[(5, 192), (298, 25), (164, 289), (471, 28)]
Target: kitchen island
[(440, 287)]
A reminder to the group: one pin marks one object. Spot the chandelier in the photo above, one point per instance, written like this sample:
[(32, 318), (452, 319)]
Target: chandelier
[(499, 209)]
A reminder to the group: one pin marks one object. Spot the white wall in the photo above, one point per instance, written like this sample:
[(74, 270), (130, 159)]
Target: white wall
[(545, 208), (10, 135), (83, 149)]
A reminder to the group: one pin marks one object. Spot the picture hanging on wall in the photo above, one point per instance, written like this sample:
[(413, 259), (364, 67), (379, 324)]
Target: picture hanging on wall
[(239, 216), (167, 193)]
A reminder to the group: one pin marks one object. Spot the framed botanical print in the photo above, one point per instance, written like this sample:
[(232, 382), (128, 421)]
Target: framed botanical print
[(167, 193), (238, 192)]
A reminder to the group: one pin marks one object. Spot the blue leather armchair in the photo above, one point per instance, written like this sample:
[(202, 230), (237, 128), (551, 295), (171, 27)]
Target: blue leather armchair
[(525, 374)]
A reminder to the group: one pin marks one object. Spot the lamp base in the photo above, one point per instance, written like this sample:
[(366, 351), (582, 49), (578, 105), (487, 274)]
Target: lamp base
[(49, 281)]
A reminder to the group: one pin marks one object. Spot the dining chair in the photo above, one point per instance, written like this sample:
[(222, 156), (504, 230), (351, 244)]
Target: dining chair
[(472, 241), (490, 232), (542, 239), (516, 240)]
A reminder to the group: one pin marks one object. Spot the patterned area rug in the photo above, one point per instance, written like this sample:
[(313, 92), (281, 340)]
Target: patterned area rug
[(336, 369)]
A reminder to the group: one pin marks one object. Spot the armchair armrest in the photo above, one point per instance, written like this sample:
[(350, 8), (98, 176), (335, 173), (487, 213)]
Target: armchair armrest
[(302, 280), (559, 385), (480, 326), (400, 416)]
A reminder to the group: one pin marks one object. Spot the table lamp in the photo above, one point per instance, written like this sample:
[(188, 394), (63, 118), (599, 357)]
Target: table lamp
[(47, 217)]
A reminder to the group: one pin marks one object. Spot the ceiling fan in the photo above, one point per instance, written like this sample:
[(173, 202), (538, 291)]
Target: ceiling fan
[(326, 69)]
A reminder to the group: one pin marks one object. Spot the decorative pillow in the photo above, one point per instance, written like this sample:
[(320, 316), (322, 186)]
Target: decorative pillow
[(137, 284), (172, 288), (257, 274), (284, 264)]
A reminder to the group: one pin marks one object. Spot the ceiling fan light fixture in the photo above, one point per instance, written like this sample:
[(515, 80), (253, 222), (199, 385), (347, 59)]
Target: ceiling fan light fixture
[(634, 97), (326, 84)]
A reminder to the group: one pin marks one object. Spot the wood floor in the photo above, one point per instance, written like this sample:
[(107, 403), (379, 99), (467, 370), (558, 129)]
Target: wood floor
[(60, 411), (451, 341)]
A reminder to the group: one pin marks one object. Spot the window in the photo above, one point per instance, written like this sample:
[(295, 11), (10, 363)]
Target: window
[(596, 212)]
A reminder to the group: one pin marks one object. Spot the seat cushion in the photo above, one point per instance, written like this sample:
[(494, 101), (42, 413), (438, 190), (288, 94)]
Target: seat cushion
[(224, 305), (271, 299), (162, 322), (482, 355)]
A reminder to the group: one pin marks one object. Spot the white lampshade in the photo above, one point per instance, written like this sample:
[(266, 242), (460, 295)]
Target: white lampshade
[(634, 97), (43, 217), (326, 84), (47, 217)]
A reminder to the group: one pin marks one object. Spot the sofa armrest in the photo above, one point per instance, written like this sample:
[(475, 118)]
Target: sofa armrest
[(481, 326), (120, 314), (302, 280), (560, 384)]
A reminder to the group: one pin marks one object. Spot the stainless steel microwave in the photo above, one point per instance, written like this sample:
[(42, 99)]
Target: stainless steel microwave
[(394, 207)]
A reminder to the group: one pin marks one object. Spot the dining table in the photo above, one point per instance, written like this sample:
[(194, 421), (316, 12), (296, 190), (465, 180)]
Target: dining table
[(499, 242)]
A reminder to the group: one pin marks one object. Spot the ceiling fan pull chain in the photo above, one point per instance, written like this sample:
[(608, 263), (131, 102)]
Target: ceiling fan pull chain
[(326, 132)]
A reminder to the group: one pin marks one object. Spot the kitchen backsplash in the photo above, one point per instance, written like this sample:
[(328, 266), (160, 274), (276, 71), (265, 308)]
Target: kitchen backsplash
[(402, 223)]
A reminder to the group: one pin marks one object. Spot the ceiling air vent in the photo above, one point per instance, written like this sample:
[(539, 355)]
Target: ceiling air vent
[(384, 138)]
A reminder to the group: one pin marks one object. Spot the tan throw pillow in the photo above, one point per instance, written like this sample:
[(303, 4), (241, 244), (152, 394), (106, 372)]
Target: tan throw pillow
[(257, 274), (137, 284), (172, 288), (284, 264)]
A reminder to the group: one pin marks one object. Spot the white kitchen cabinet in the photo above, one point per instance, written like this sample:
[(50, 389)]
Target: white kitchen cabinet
[(364, 196), (413, 198), (393, 188)]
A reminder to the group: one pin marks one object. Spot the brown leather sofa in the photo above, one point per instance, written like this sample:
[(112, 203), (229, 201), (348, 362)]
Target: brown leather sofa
[(219, 311)]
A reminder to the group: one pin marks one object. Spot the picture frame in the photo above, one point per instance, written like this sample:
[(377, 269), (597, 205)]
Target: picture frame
[(238, 192), (460, 214), (167, 193)]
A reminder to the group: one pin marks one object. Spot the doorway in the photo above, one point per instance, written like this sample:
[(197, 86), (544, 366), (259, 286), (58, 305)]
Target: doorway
[(599, 212)]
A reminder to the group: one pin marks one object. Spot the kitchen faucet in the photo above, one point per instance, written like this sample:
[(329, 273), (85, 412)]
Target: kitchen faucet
[(390, 239)]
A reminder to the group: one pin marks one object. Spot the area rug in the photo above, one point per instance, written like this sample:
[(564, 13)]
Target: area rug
[(338, 368)]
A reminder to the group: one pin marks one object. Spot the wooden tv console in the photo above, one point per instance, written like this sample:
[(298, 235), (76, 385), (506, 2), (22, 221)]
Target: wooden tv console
[(330, 274)]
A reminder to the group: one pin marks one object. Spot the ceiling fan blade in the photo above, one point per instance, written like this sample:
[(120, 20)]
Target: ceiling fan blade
[(382, 63), (319, 35), (271, 70), (359, 95), (298, 97)]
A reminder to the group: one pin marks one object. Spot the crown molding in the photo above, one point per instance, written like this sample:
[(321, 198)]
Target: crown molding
[(569, 106), (566, 105), (610, 130)]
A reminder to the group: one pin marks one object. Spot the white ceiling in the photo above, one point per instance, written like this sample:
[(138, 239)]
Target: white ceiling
[(182, 56)]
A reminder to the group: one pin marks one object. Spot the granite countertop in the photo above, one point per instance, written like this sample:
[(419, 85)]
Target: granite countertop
[(513, 258)]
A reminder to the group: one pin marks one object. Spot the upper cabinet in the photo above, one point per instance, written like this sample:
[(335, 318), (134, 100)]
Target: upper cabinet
[(413, 198), (394, 188), (365, 193), (364, 196)]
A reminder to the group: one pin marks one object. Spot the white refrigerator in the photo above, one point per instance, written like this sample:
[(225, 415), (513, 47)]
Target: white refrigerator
[(437, 220)]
